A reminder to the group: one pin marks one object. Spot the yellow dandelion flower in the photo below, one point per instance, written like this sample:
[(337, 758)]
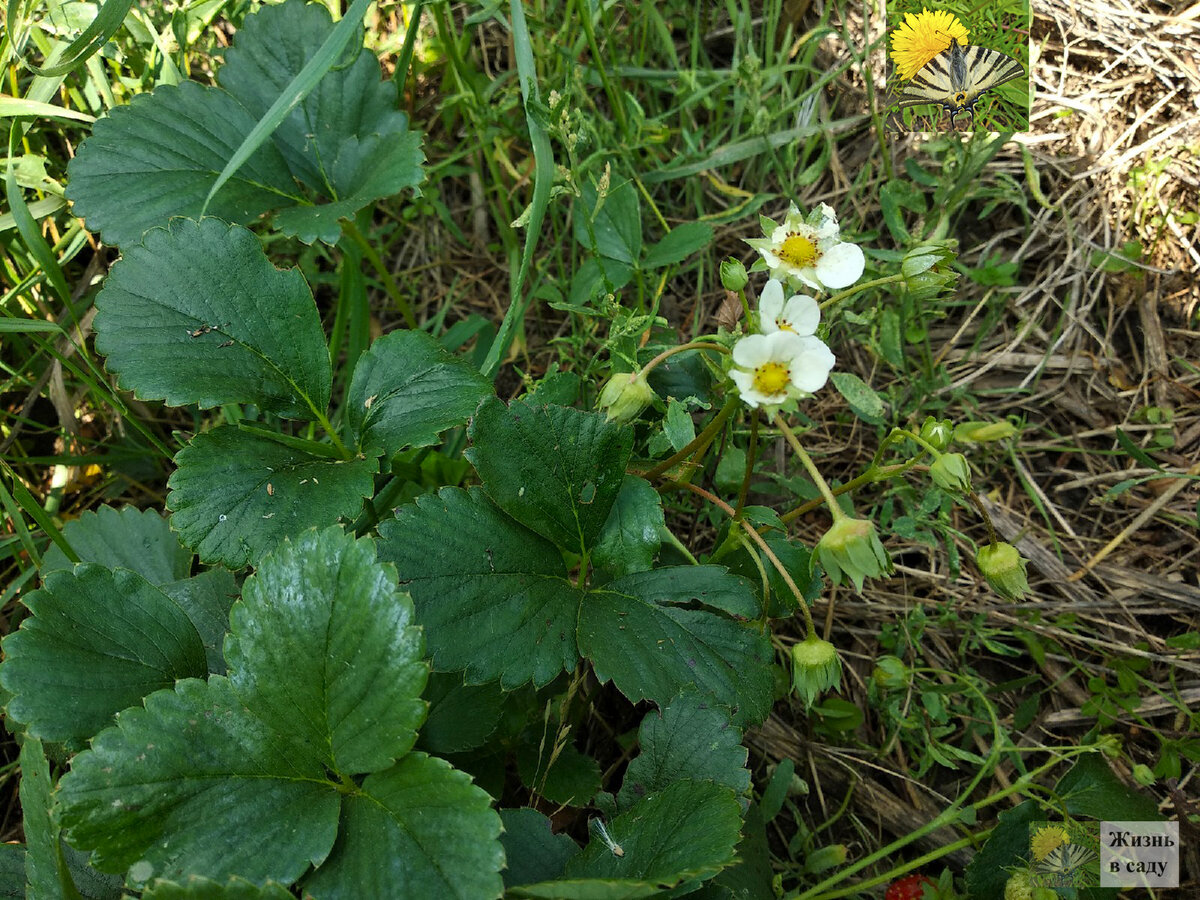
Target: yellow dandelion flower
[(922, 37), (1048, 839)]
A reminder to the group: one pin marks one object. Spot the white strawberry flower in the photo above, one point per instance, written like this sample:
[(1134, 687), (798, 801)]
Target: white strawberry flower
[(810, 251), (800, 314), (770, 368)]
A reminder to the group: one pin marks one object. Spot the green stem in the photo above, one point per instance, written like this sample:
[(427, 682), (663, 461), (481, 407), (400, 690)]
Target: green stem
[(702, 440), (376, 262), (613, 97), (851, 291), (668, 353), (873, 473), (810, 467), (753, 534)]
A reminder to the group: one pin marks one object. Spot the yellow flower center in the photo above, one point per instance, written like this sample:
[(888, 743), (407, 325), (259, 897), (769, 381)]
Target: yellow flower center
[(771, 378), (799, 251)]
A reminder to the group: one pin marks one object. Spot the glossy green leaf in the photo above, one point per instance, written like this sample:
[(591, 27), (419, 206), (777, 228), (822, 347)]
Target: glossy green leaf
[(158, 157), (688, 738), (407, 390), (461, 716), (1007, 847), (43, 873), (554, 469), (493, 596), (678, 244), (678, 425), (196, 313), (129, 538), (324, 132), (572, 779), (200, 888), (532, 851), (687, 832), (185, 783), (235, 495), (655, 633), (864, 402), (418, 829), (322, 646), (1091, 789), (206, 600), (611, 227), (97, 641), (631, 535)]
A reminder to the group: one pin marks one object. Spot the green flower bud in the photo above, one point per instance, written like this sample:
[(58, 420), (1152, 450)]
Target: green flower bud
[(851, 549), (1004, 569), (824, 858), (983, 432), (925, 271), (937, 432), (890, 673), (733, 274), (1018, 887), (952, 473), (815, 668), (624, 397), (1143, 775)]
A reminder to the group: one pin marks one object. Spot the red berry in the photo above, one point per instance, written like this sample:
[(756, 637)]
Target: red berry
[(910, 887)]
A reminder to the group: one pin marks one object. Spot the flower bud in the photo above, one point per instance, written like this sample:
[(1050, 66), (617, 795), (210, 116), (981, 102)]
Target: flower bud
[(952, 473), (815, 668), (851, 549), (982, 432), (733, 274), (1004, 569), (824, 858), (937, 432), (624, 397), (1143, 775), (925, 270)]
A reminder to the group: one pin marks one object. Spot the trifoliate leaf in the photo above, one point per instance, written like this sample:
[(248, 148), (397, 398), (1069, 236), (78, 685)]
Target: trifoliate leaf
[(638, 632), (236, 495), (688, 738), (196, 313), (418, 829), (492, 595), (554, 469), (97, 641), (631, 535), (128, 538), (322, 646), (159, 156), (407, 390)]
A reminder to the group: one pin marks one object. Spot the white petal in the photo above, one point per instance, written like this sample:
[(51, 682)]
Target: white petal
[(799, 279), (841, 266), (779, 235), (752, 351), (810, 368), (783, 346), (744, 382), (773, 262), (802, 313), (771, 305)]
